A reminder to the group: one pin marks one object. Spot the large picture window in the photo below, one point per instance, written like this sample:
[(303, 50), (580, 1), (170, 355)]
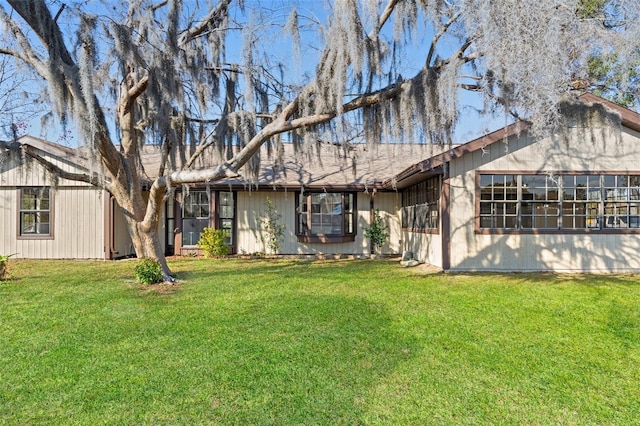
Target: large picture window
[(421, 205), (326, 216), (195, 216), (559, 202), (35, 212)]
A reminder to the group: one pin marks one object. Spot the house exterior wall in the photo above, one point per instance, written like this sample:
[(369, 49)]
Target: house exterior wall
[(78, 225), (577, 150), (122, 245), (251, 204), (425, 247), (389, 204), (77, 214)]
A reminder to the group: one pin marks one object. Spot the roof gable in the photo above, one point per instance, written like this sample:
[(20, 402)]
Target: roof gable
[(433, 164)]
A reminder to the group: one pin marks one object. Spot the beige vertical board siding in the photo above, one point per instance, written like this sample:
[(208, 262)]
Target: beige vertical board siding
[(77, 212), (121, 238), (251, 204), (389, 203), (33, 174), (426, 248), (8, 216), (579, 151), (82, 209), (78, 226)]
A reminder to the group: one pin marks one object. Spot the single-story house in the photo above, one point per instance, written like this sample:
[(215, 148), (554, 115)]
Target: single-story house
[(511, 200), (325, 198)]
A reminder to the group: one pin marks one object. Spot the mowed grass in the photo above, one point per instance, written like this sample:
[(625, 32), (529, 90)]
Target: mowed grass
[(297, 342)]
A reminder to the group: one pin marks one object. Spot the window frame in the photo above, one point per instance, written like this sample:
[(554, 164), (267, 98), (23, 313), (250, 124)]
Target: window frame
[(428, 195), (197, 218), (591, 204), (21, 212), (352, 211), (220, 218)]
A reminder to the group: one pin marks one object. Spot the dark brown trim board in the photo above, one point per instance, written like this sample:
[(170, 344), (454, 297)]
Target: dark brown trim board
[(445, 203)]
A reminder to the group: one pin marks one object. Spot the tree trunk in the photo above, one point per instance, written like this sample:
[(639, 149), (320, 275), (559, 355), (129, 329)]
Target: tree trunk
[(142, 222), (146, 243)]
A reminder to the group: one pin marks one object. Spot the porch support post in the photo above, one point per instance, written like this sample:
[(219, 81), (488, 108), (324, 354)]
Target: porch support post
[(445, 205)]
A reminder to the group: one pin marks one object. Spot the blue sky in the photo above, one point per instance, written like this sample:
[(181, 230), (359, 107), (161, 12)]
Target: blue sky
[(471, 124)]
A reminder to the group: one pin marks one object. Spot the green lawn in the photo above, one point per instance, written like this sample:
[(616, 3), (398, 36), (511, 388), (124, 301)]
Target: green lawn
[(298, 342)]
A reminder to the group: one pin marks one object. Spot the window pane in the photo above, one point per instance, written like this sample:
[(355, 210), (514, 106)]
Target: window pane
[(485, 222), (332, 213), (191, 229), (28, 223), (349, 224), (226, 212), (609, 181), (510, 222), (226, 198), (227, 226), (34, 211), (196, 204)]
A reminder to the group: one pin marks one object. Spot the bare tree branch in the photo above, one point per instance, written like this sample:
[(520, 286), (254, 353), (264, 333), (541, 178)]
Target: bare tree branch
[(208, 22), (438, 35), (54, 169)]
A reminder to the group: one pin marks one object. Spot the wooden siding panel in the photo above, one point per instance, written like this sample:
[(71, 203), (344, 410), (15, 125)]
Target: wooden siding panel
[(122, 240), (390, 204), (425, 247), (251, 204), (77, 226), (577, 150), (8, 206)]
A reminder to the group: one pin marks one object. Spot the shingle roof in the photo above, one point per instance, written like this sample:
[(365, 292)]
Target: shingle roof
[(322, 166), (329, 166)]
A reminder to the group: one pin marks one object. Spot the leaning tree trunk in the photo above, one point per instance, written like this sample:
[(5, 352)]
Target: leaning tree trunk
[(143, 218), (146, 243)]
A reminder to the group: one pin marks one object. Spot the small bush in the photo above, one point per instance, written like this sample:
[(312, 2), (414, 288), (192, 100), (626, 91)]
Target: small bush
[(148, 271), (212, 242), (4, 260), (377, 232)]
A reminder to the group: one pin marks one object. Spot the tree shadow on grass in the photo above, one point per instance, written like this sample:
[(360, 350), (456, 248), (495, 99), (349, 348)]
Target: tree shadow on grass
[(303, 360)]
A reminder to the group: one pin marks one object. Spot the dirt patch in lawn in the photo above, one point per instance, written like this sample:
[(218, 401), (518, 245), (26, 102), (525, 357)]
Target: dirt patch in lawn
[(165, 288)]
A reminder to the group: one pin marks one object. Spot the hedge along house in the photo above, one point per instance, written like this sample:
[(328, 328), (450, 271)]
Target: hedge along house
[(325, 199), (510, 201)]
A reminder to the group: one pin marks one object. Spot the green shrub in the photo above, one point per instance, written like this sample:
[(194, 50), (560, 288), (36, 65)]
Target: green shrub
[(212, 242), (377, 232), (148, 271), (4, 260)]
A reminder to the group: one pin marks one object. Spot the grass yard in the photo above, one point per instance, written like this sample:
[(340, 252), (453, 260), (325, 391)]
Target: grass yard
[(298, 342)]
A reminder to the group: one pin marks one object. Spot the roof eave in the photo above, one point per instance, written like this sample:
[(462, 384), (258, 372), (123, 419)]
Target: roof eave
[(630, 119), (435, 165)]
